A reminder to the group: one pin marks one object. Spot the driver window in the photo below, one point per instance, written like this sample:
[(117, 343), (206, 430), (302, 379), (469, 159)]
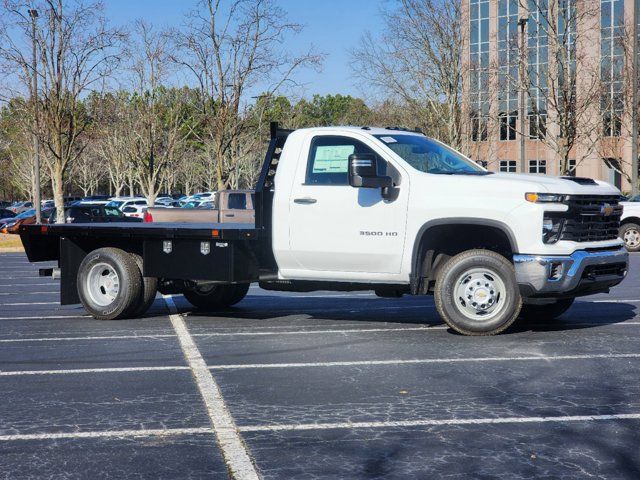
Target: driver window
[(328, 162)]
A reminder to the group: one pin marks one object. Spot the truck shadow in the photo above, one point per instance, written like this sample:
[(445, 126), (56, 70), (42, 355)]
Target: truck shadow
[(584, 314)]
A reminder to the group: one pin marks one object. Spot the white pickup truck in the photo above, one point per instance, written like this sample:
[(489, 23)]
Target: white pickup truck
[(348, 208)]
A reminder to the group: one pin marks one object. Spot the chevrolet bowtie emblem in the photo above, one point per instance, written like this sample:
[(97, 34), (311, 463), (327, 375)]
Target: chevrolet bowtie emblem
[(606, 210)]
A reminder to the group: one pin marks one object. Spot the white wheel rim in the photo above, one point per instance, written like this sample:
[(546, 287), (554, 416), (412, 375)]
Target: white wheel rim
[(103, 284), (480, 294), (631, 238)]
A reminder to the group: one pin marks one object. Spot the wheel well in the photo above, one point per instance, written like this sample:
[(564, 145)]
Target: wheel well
[(436, 244), (635, 220)]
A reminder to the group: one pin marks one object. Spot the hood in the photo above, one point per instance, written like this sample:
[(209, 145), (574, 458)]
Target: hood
[(547, 184)]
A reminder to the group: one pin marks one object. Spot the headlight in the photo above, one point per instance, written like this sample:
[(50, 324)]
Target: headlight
[(551, 228), (544, 197)]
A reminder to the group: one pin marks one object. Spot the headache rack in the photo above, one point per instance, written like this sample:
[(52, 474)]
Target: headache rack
[(591, 218)]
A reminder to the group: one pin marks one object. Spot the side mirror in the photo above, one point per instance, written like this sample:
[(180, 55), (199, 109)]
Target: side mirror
[(363, 172)]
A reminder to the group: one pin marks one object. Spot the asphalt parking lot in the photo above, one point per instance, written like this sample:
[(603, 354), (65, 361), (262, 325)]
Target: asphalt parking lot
[(322, 385)]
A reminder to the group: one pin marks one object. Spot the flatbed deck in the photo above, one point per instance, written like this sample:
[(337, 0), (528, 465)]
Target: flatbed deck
[(221, 231)]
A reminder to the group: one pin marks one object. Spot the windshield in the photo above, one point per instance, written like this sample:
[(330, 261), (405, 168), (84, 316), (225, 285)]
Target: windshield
[(112, 212), (429, 156)]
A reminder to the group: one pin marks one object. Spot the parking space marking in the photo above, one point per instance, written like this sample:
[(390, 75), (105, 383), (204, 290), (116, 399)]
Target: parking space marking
[(75, 371), (417, 361), (47, 317), (106, 434), (231, 445), (437, 422), (99, 337), (49, 284), (4, 294), (16, 304)]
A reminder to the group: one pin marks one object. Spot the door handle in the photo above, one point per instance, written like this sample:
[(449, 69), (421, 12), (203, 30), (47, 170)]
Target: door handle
[(304, 201)]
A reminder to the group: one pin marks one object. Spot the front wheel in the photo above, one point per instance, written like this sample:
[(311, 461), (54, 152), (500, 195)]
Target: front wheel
[(630, 234), (476, 293), (547, 311), (217, 296)]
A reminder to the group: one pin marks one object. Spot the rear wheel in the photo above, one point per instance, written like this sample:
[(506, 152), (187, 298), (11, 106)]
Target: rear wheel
[(109, 283), (476, 293), (546, 311), (217, 296), (630, 234)]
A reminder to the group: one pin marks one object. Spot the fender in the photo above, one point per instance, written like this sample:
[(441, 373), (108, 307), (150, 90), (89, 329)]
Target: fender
[(416, 257)]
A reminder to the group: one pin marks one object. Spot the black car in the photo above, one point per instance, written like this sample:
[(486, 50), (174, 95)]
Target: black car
[(92, 214), (4, 213)]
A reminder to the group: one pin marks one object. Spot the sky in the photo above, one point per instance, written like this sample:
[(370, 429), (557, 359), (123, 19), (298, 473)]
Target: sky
[(333, 27)]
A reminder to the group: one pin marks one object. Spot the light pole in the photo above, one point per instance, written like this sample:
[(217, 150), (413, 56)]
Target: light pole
[(522, 23), (34, 99), (634, 105)]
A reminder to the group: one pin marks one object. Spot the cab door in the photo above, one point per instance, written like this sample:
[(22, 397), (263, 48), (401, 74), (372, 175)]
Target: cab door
[(335, 228)]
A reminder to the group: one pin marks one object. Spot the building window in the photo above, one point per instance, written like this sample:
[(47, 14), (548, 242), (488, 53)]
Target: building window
[(572, 168), (612, 37), (537, 166), (508, 61), (479, 99), (508, 166), (537, 126), (538, 52)]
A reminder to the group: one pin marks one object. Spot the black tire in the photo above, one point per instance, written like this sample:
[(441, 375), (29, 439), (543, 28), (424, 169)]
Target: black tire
[(503, 309), (630, 235), (127, 293), (218, 296), (148, 291), (547, 311)]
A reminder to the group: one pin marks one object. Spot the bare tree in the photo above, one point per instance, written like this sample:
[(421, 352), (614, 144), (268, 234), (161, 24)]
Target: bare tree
[(563, 79), (158, 114), (76, 49), (230, 47), (418, 59)]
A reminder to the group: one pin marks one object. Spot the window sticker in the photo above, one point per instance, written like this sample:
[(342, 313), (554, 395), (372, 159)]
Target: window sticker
[(332, 159), (388, 139)]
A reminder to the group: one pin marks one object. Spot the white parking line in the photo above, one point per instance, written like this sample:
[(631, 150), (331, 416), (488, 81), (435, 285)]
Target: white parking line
[(437, 422), (67, 339), (108, 434), (231, 445), (49, 317), (359, 363), (49, 284), (16, 304), (4, 294), (18, 373)]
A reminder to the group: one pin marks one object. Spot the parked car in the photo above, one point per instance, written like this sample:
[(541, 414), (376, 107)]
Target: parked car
[(122, 202), (192, 204), (13, 225), (92, 214), (6, 213), (4, 203), (20, 207), (134, 211)]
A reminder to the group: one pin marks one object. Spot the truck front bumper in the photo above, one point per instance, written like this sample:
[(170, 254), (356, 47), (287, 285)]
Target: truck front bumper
[(581, 273)]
